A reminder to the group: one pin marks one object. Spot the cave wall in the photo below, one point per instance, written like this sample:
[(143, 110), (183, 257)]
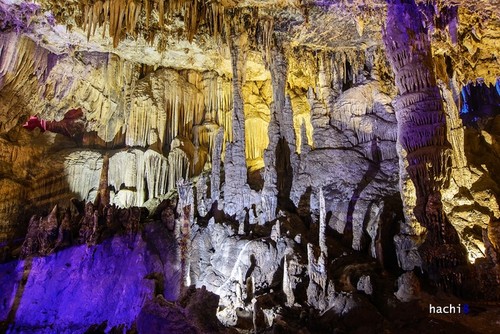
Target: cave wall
[(302, 101), (162, 121)]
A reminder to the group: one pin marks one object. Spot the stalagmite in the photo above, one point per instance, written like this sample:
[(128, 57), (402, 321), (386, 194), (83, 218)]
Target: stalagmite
[(422, 132), (287, 286), (322, 224), (304, 145), (202, 202), (48, 232), (250, 288), (316, 290), (276, 231), (185, 210), (237, 193), (280, 126), (64, 236), (31, 243), (216, 161), (103, 194)]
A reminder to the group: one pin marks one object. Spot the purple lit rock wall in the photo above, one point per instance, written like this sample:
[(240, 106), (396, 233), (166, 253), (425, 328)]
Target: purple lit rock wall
[(69, 291)]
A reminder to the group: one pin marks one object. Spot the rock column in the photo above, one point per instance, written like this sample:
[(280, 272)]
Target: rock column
[(280, 158), (185, 210), (216, 160), (236, 189), (278, 67), (422, 131)]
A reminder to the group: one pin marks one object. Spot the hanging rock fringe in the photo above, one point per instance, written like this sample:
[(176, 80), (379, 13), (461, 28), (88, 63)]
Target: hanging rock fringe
[(122, 16)]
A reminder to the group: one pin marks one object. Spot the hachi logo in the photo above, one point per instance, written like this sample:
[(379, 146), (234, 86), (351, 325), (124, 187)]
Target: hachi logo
[(449, 309)]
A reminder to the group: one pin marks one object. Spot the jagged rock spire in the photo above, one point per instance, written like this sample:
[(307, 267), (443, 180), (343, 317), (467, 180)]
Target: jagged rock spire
[(280, 156), (237, 193)]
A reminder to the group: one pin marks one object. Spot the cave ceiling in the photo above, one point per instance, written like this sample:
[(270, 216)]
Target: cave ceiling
[(166, 40), (192, 35)]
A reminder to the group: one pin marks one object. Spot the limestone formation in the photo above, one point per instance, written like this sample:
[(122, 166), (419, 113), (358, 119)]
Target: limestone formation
[(278, 67), (365, 285), (237, 193), (249, 166), (215, 176), (408, 287), (422, 133), (185, 211)]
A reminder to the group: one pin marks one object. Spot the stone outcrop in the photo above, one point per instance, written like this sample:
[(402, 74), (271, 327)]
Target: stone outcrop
[(195, 313)]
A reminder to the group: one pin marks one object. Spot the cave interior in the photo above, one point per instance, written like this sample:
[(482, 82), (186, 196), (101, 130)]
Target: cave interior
[(249, 166)]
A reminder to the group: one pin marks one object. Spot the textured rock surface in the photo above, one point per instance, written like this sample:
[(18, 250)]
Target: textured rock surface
[(285, 164), (422, 135), (194, 313), (66, 290)]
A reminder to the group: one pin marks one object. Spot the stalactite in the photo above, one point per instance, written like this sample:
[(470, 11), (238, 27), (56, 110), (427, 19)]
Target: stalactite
[(161, 13), (124, 15), (130, 187), (147, 7), (215, 19), (179, 163), (88, 20), (268, 40), (132, 15), (105, 17), (112, 17), (97, 9), (256, 140), (191, 19), (83, 173), (175, 102), (23, 67), (156, 173), (120, 9), (218, 99)]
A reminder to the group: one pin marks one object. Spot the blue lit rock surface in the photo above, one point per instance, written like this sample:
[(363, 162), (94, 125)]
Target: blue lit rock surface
[(81, 286)]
